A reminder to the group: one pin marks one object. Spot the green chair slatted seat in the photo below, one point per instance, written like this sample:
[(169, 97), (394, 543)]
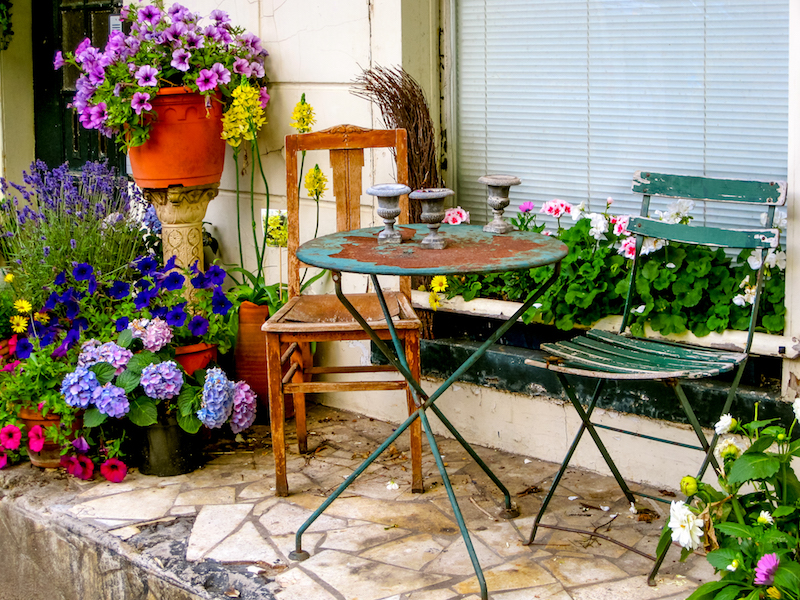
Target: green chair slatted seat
[(604, 356)]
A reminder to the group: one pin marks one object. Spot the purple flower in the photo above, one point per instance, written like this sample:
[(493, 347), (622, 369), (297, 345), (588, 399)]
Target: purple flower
[(180, 59), (198, 325), (140, 102), (111, 400), (217, 399), (24, 349), (175, 31), (72, 244), (242, 67), (207, 80), (71, 309), (176, 317), (147, 265), (257, 69), (119, 290), (173, 281), (150, 14), (58, 61), (527, 206), (220, 305), (81, 445), (765, 569), (244, 407), (222, 73), (146, 76), (263, 96), (82, 271), (78, 387), (162, 381), (200, 282), (157, 334), (121, 324), (215, 274), (194, 41), (61, 278), (220, 16)]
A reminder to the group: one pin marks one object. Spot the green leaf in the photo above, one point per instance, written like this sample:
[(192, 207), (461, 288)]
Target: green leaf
[(756, 465), (190, 423), (735, 529), (93, 418), (782, 511), (104, 371), (143, 412), (140, 361), (185, 401), (729, 593), (128, 380), (664, 540), (761, 444), (788, 576), (720, 559), (125, 338), (708, 591)]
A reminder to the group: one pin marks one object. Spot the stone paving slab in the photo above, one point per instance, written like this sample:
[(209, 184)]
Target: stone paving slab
[(223, 532)]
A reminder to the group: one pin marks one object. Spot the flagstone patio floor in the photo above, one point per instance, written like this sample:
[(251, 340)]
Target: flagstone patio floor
[(378, 543)]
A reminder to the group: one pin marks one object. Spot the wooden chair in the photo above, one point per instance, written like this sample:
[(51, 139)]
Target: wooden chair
[(605, 356), (306, 319)]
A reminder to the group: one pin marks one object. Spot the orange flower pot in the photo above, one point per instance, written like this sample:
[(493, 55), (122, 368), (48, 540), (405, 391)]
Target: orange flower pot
[(49, 457), (195, 356), (185, 145)]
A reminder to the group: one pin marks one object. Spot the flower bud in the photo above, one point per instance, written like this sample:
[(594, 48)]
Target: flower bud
[(689, 485)]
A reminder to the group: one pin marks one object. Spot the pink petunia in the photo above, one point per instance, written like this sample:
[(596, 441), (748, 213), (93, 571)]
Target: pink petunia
[(263, 96), (3, 460), (58, 61), (140, 102), (10, 437), (146, 76), (765, 569), (85, 468), (36, 438), (527, 206), (114, 470), (207, 80)]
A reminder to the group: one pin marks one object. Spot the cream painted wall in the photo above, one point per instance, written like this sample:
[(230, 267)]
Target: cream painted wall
[(16, 96)]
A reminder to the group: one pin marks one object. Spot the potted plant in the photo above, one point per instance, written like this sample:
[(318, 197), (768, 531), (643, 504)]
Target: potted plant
[(749, 526), (167, 82), (6, 312)]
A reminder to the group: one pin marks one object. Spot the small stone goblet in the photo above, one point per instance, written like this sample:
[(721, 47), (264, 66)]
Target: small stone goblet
[(388, 195), (498, 200), (432, 200)]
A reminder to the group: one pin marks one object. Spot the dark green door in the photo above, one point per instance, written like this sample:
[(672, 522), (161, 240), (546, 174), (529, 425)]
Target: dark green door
[(62, 25)]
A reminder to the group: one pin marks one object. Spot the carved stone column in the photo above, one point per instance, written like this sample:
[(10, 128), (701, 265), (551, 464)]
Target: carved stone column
[(181, 211)]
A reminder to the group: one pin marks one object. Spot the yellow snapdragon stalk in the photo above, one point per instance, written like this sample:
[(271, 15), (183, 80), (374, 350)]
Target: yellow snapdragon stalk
[(303, 116), (316, 184)]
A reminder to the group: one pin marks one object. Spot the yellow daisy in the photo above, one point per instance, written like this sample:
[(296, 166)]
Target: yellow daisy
[(773, 592), (9, 277), (439, 283), (43, 318), (23, 306), (19, 323)]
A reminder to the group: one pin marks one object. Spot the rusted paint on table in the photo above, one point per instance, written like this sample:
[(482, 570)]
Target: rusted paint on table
[(469, 250)]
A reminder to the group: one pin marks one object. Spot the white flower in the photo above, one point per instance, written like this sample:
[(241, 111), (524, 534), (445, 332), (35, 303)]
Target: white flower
[(748, 297), (392, 485), (578, 211), (639, 309), (733, 566), (651, 245), (728, 448), (724, 424), (599, 226), (677, 212), (780, 221), (670, 265), (687, 529), (796, 409), (632, 509), (754, 260), (776, 259), (765, 518)]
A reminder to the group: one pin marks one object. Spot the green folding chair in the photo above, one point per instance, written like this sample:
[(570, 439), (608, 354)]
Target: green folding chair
[(603, 356)]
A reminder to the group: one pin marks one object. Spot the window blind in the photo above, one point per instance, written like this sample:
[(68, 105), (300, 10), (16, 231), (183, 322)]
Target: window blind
[(574, 96)]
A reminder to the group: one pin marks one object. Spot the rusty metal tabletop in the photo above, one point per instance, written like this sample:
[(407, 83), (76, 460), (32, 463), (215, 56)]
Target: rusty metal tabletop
[(469, 250)]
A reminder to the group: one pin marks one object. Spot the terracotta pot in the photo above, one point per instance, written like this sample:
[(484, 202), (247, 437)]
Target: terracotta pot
[(50, 455), (3, 350), (251, 355), (185, 147), (195, 356)]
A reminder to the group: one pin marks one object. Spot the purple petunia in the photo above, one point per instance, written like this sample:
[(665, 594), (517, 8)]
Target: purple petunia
[(162, 381), (242, 67), (146, 265), (180, 59), (217, 399), (146, 76), (220, 305), (78, 387), (198, 325), (173, 281), (58, 61), (263, 96), (207, 80), (244, 407), (176, 316), (140, 102), (215, 275), (111, 400), (82, 271), (149, 14), (119, 290), (223, 75), (121, 324)]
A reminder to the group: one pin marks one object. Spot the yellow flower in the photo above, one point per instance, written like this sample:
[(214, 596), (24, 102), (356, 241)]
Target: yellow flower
[(774, 592), (9, 277), (19, 323), (439, 283), (245, 116), (303, 116), (43, 318), (316, 183), (23, 306), (433, 300)]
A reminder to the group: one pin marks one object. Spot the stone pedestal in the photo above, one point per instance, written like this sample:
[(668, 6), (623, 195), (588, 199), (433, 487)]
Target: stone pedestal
[(181, 211)]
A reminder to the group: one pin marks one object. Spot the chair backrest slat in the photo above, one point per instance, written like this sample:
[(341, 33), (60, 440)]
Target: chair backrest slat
[(710, 188), (708, 236)]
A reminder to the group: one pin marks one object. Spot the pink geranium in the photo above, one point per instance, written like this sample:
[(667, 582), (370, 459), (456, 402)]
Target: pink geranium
[(556, 208), (36, 438), (621, 225), (628, 247), (456, 216), (10, 437)]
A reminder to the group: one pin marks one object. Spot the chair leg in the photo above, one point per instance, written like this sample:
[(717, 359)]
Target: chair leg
[(415, 430), (299, 399), (277, 413)]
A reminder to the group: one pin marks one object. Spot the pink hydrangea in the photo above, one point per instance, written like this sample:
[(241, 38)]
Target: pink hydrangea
[(456, 216), (156, 335), (556, 208), (244, 407)]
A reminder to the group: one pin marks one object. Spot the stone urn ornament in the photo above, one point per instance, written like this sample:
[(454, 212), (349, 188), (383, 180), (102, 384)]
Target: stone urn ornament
[(388, 195), (498, 200), (432, 201)]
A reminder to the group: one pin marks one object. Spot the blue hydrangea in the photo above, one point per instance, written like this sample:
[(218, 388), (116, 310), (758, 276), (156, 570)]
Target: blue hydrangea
[(78, 387), (93, 352), (162, 381), (217, 399), (111, 400), (244, 407)]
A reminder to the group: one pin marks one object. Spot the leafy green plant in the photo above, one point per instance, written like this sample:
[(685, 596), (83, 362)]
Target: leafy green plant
[(6, 31), (749, 526)]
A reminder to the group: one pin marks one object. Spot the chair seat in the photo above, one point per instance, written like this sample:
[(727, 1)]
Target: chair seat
[(326, 313), (605, 355)]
